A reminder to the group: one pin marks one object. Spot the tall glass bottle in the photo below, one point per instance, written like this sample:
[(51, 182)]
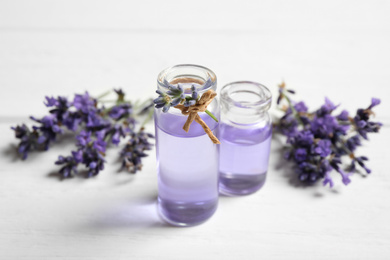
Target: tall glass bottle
[(245, 133), (187, 163)]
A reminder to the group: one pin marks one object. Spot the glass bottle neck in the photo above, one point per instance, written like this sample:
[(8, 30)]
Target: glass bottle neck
[(245, 102), (187, 75)]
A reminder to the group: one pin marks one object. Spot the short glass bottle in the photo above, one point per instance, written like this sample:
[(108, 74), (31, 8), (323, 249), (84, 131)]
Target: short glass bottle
[(245, 133), (187, 163)]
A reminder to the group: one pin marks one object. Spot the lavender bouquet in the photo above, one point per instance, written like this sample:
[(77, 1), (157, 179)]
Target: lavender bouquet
[(94, 127), (318, 141)]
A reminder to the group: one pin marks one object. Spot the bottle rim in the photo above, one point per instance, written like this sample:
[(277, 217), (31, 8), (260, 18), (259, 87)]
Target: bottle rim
[(248, 87), (191, 72)]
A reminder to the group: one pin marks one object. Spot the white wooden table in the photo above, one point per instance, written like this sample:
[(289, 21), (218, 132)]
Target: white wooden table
[(338, 49)]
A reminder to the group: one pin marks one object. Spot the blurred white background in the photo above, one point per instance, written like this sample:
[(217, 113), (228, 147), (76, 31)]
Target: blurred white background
[(338, 49)]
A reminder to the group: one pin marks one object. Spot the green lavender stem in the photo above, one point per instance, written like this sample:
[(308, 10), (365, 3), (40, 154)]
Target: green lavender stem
[(211, 115)]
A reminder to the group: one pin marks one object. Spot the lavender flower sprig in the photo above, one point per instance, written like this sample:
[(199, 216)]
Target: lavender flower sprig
[(177, 95), (134, 150), (94, 127), (318, 141)]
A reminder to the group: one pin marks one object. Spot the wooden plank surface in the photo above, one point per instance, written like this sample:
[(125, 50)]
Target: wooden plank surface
[(338, 49)]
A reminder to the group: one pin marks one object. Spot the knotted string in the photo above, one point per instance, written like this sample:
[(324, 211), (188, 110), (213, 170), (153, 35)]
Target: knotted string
[(192, 113)]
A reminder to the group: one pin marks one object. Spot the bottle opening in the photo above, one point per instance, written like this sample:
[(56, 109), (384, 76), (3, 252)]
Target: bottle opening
[(187, 75), (246, 94)]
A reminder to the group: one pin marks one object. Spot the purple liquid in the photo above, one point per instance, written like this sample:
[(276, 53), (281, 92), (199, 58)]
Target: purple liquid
[(187, 166), (243, 160)]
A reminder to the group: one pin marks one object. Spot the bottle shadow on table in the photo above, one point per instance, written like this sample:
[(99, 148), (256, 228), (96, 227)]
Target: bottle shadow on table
[(137, 214)]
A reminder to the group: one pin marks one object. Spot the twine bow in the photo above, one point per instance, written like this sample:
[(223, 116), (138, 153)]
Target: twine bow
[(192, 113)]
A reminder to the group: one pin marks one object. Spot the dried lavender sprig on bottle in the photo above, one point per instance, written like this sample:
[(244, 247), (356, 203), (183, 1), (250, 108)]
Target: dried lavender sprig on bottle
[(175, 96), (94, 127), (317, 141)]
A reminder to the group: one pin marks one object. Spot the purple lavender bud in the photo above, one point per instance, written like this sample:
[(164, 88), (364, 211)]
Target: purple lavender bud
[(374, 102), (166, 107), (345, 177), (342, 129), (160, 105), (50, 101), (118, 131), (207, 84), (361, 123), (361, 114), (48, 121), (300, 155), (360, 160), (65, 172), (189, 103), (166, 83), (83, 138), (175, 101), (327, 108), (56, 129), (323, 148), (119, 111), (116, 138), (324, 126), (328, 180), (100, 146), (303, 177), (134, 151), (20, 131), (300, 107), (329, 104), (363, 133), (313, 177), (279, 99), (174, 91), (194, 95), (71, 121), (96, 123), (70, 165), (23, 149), (303, 139), (84, 103), (60, 160), (41, 139), (343, 116), (373, 127), (353, 142), (77, 156), (92, 165)]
